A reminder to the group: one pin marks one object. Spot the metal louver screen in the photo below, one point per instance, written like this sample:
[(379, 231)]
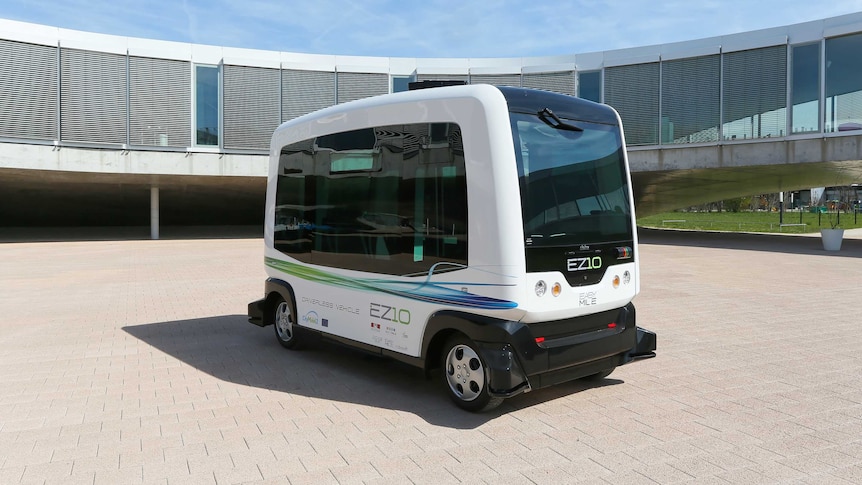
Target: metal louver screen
[(558, 82), (92, 97), (633, 91), (306, 91), (755, 93), (251, 106), (355, 85), (160, 102), (28, 91), (497, 79), (690, 96)]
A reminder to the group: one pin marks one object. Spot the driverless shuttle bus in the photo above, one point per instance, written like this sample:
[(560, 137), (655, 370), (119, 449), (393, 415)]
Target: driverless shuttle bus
[(486, 231)]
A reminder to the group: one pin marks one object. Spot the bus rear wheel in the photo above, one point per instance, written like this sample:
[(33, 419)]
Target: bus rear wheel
[(284, 319), (466, 376)]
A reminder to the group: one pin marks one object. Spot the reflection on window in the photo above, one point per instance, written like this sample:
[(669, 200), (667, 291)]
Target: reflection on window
[(206, 105), (634, 92), (805, 88), (755, 93), (690, 100), (390, 199), (401, 83), (573, 183), (843, 84), (590, 86)]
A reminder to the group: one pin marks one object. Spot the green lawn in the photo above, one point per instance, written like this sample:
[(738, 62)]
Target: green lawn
[(749, 221)]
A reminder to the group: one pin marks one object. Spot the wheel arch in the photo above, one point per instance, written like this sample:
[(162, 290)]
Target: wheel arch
[(434, 349), (443, 324), (276, 290)]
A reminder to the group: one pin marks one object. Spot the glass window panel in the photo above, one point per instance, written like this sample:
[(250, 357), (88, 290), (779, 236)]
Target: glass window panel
[(401, 83), (805, 88), (843, 83), (207, 105), (391, 200), (590, 86)]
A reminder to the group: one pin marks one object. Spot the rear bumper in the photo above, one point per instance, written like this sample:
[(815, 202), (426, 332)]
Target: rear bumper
[(645, 347), (599, 342)]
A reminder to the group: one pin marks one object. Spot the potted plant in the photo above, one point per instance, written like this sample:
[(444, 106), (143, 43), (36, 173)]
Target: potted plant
[(833, 236)]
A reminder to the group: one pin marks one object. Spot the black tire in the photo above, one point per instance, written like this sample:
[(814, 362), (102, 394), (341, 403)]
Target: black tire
[(284, 319), (600, 375), (465, 375)]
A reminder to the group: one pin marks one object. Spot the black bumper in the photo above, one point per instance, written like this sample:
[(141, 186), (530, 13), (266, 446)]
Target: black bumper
[(256, 311), (566, 350)]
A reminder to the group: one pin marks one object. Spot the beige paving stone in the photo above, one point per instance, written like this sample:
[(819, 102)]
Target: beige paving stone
[(355, 473), (323, 477), (141, 368), (322, 461), (122, 476), (243, 473), (11, 474), (55, 472)]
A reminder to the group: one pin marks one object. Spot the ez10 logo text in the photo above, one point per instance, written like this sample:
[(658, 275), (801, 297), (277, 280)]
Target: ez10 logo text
[(390, 314), (583, 264)]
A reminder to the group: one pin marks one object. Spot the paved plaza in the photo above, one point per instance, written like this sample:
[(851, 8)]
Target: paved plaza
[(132, 361)]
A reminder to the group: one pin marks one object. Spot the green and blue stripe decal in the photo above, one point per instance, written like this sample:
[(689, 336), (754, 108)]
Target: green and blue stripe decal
[(422, 291)]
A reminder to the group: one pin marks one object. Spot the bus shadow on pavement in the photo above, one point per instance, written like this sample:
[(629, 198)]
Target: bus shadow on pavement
[(230, 349), (773, 243)]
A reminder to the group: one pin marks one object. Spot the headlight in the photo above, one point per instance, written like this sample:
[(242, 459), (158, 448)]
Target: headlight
[(541, 288)]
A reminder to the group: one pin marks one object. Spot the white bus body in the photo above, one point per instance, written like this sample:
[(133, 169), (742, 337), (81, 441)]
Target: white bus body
[(489, 231)]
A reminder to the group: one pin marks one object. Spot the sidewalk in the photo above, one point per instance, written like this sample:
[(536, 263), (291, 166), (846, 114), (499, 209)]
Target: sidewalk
[(133, 362)]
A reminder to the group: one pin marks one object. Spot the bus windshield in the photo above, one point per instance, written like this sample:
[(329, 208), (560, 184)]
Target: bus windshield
[(573, 181)]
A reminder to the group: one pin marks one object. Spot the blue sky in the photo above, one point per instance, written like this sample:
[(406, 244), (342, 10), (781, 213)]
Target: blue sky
[(428, 28)]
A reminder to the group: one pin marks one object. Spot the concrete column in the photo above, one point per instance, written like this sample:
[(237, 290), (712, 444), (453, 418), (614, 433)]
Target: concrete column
[(154, 212)]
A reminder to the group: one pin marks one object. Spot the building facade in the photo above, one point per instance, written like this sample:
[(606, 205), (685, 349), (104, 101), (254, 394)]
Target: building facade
[(94, 126)]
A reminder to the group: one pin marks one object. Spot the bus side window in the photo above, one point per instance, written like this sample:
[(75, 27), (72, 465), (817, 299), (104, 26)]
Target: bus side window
[(399, 212)]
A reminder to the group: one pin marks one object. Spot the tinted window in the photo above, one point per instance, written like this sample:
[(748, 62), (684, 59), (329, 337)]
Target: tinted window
[(573, 182), (590, 86), (206, 105), (390, 199), (843, 83), (805, 88)]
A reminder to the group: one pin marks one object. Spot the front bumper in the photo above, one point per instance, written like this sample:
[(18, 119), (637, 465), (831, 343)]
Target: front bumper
[(256, 310)]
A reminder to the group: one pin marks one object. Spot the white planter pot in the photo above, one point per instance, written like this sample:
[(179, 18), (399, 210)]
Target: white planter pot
[(832, 239)]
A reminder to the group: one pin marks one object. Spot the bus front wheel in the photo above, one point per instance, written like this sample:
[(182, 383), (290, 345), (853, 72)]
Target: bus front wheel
[(284, 318), (466, 376)]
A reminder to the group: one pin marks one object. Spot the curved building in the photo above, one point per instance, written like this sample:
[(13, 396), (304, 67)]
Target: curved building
[(102, 130)]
